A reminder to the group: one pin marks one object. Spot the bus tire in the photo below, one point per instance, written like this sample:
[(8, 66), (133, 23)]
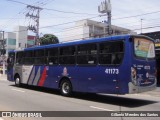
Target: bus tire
[(17, 81), (65, 87)]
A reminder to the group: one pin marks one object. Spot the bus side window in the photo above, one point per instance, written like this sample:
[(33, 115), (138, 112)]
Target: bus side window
[(28, 57), (19, 57), (67, 55), (87, 54), (39, 57), (52, 56), (111, 53), (116, 59)]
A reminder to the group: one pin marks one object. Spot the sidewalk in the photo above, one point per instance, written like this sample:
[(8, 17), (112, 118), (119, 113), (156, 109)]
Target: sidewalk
[(155, 93), (3, 77)]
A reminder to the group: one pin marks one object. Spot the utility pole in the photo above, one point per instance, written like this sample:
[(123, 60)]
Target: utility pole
[(3, 51), (105, 8), (141, 25), (34, 15)]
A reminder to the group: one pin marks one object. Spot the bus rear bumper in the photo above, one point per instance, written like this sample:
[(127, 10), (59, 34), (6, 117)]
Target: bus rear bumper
[(137, 89)]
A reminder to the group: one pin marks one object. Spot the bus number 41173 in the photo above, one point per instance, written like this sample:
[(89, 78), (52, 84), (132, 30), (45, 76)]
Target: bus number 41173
[(112, 71)]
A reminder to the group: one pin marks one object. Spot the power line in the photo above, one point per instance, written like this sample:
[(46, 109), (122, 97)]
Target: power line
[(84, 19), (5, 25), (43, 3), (15, 16), (87, 13), (52, 15), (35, 17), (72, 35), (66, 23), (67, 11), (150, 27), (17, 2), (136, 15), (138, 22), (52, 9), (61, 23), (81, 13)]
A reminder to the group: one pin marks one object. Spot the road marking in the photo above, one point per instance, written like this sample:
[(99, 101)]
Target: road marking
[(101, 108), (1, 119), (18, 90)]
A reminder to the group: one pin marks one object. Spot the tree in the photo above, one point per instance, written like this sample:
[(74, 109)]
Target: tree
[(48, 39)]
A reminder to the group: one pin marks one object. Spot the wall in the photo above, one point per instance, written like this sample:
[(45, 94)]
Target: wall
[(21, 37), (10, 38), (85, 29)]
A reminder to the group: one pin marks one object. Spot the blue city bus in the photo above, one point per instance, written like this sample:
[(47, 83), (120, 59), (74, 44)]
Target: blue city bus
[(122, 64)]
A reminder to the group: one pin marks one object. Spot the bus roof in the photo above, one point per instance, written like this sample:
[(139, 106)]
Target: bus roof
[(77, 42)]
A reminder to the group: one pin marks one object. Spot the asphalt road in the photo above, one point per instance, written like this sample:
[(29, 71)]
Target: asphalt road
[(26, 98)]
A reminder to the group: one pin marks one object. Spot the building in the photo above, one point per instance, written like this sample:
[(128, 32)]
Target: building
[(30, 41), (13, 44), (10, 40), (16, 40), (85, 29), (19, 39), (1, 42)]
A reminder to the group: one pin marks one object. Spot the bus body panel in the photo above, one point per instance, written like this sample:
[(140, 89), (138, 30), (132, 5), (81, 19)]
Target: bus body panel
[(17, 70), (26, 70), (10, 76)]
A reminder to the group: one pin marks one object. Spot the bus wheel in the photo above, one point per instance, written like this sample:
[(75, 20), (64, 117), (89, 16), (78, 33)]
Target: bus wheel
[(17, 81), (66, 87)]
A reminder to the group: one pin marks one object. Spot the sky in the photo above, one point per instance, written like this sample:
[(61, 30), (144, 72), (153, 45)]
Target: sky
[(125, 13)]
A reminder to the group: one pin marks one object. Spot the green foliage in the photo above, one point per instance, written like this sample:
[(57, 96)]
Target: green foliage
[(48, 39)]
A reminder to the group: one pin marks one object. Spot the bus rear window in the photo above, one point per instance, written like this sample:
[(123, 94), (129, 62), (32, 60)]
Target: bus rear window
[(144, 48)]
